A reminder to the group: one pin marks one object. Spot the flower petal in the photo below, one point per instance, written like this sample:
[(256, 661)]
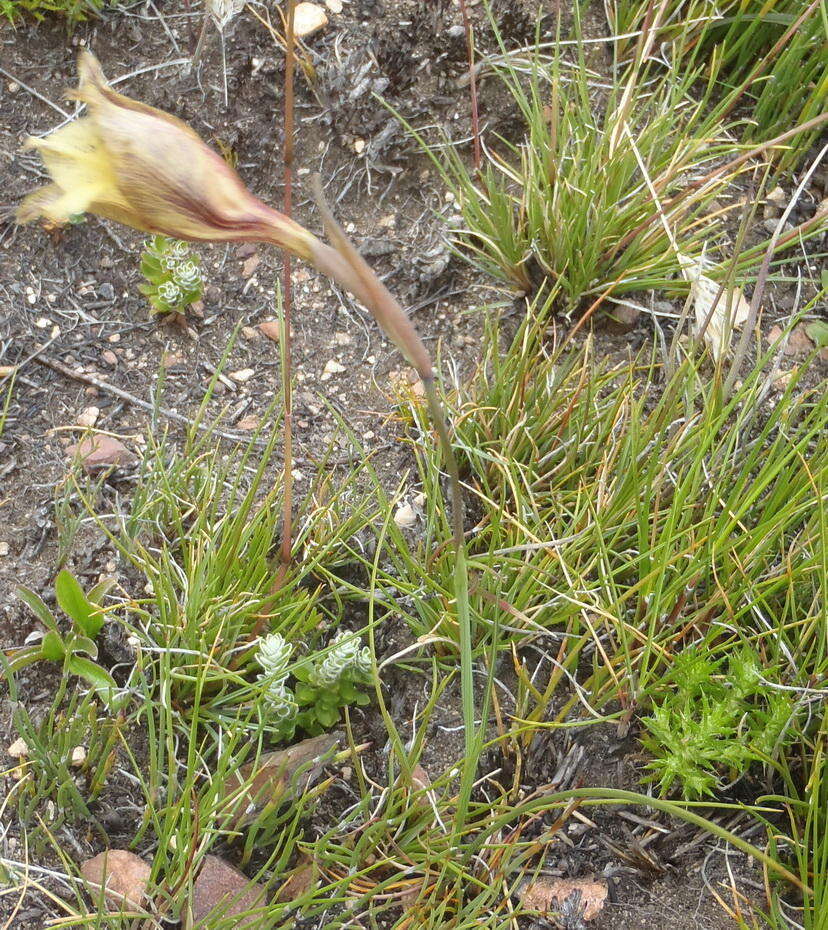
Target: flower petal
[(173, 182), (81, 170)]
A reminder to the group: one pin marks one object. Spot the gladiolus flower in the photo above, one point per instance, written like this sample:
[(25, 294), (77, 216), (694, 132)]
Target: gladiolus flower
[(128, 162), (139, 166)]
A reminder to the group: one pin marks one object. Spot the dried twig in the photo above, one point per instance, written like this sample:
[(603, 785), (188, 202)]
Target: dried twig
[(108, 388), (35, 93), (18, 366)]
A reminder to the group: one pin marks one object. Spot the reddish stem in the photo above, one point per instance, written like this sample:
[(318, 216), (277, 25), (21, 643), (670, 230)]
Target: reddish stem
[(287, 301), (475, 114)]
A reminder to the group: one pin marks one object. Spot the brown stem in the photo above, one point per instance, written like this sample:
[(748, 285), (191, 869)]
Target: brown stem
[(393, 319), (201, 43), (475, 114), (287, 306), (438, 418), (346, 265)]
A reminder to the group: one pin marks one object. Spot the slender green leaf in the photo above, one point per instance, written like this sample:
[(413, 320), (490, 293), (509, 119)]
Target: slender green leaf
[(36, 604)]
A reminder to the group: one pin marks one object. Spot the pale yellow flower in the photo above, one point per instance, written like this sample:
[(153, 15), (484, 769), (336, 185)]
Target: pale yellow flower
[(128, 162), (131, 163)]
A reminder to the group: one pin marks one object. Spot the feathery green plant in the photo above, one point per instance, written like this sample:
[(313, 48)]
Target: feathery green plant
[(74, 11), (715, 720)]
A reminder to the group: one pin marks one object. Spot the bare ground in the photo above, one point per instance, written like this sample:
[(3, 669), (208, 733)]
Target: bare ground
[(71, 297)]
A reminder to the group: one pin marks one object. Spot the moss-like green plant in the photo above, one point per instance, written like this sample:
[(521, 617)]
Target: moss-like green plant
[(74, 11), (714, 722)]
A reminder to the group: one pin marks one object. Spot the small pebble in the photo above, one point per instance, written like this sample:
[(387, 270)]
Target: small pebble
[(332, 367), (18, 749), (88, 417)]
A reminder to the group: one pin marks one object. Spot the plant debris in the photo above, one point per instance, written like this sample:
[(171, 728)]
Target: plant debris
[(568, 897)]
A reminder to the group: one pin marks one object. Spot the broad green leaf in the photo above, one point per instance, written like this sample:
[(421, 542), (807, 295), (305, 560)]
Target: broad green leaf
[(96, 594), (52, 647), (818, 333), (35, 603), (20, 658), (305, 694), (347, 692), (327, 716), (84, 644), (90, 671), (85, 615)]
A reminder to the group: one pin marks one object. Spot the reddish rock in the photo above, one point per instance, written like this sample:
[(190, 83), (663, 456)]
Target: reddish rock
[(100, 451), (272, 329), (278, 775), (774, 335), (222, 888), (799, 343), (550, 895), (250, 265), (622, 319), (123, 876)]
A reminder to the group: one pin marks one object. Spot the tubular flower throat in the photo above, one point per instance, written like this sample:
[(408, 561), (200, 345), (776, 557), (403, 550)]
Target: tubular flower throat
[(139, 166)]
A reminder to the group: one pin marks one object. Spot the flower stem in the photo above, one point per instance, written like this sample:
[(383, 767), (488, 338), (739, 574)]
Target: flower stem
[(346, 265), (471, 739), (287, 307)]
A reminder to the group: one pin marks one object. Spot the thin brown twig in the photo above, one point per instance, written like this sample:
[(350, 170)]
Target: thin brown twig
[(35, 93), (201, 43), (19, 366), (108, 388)]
